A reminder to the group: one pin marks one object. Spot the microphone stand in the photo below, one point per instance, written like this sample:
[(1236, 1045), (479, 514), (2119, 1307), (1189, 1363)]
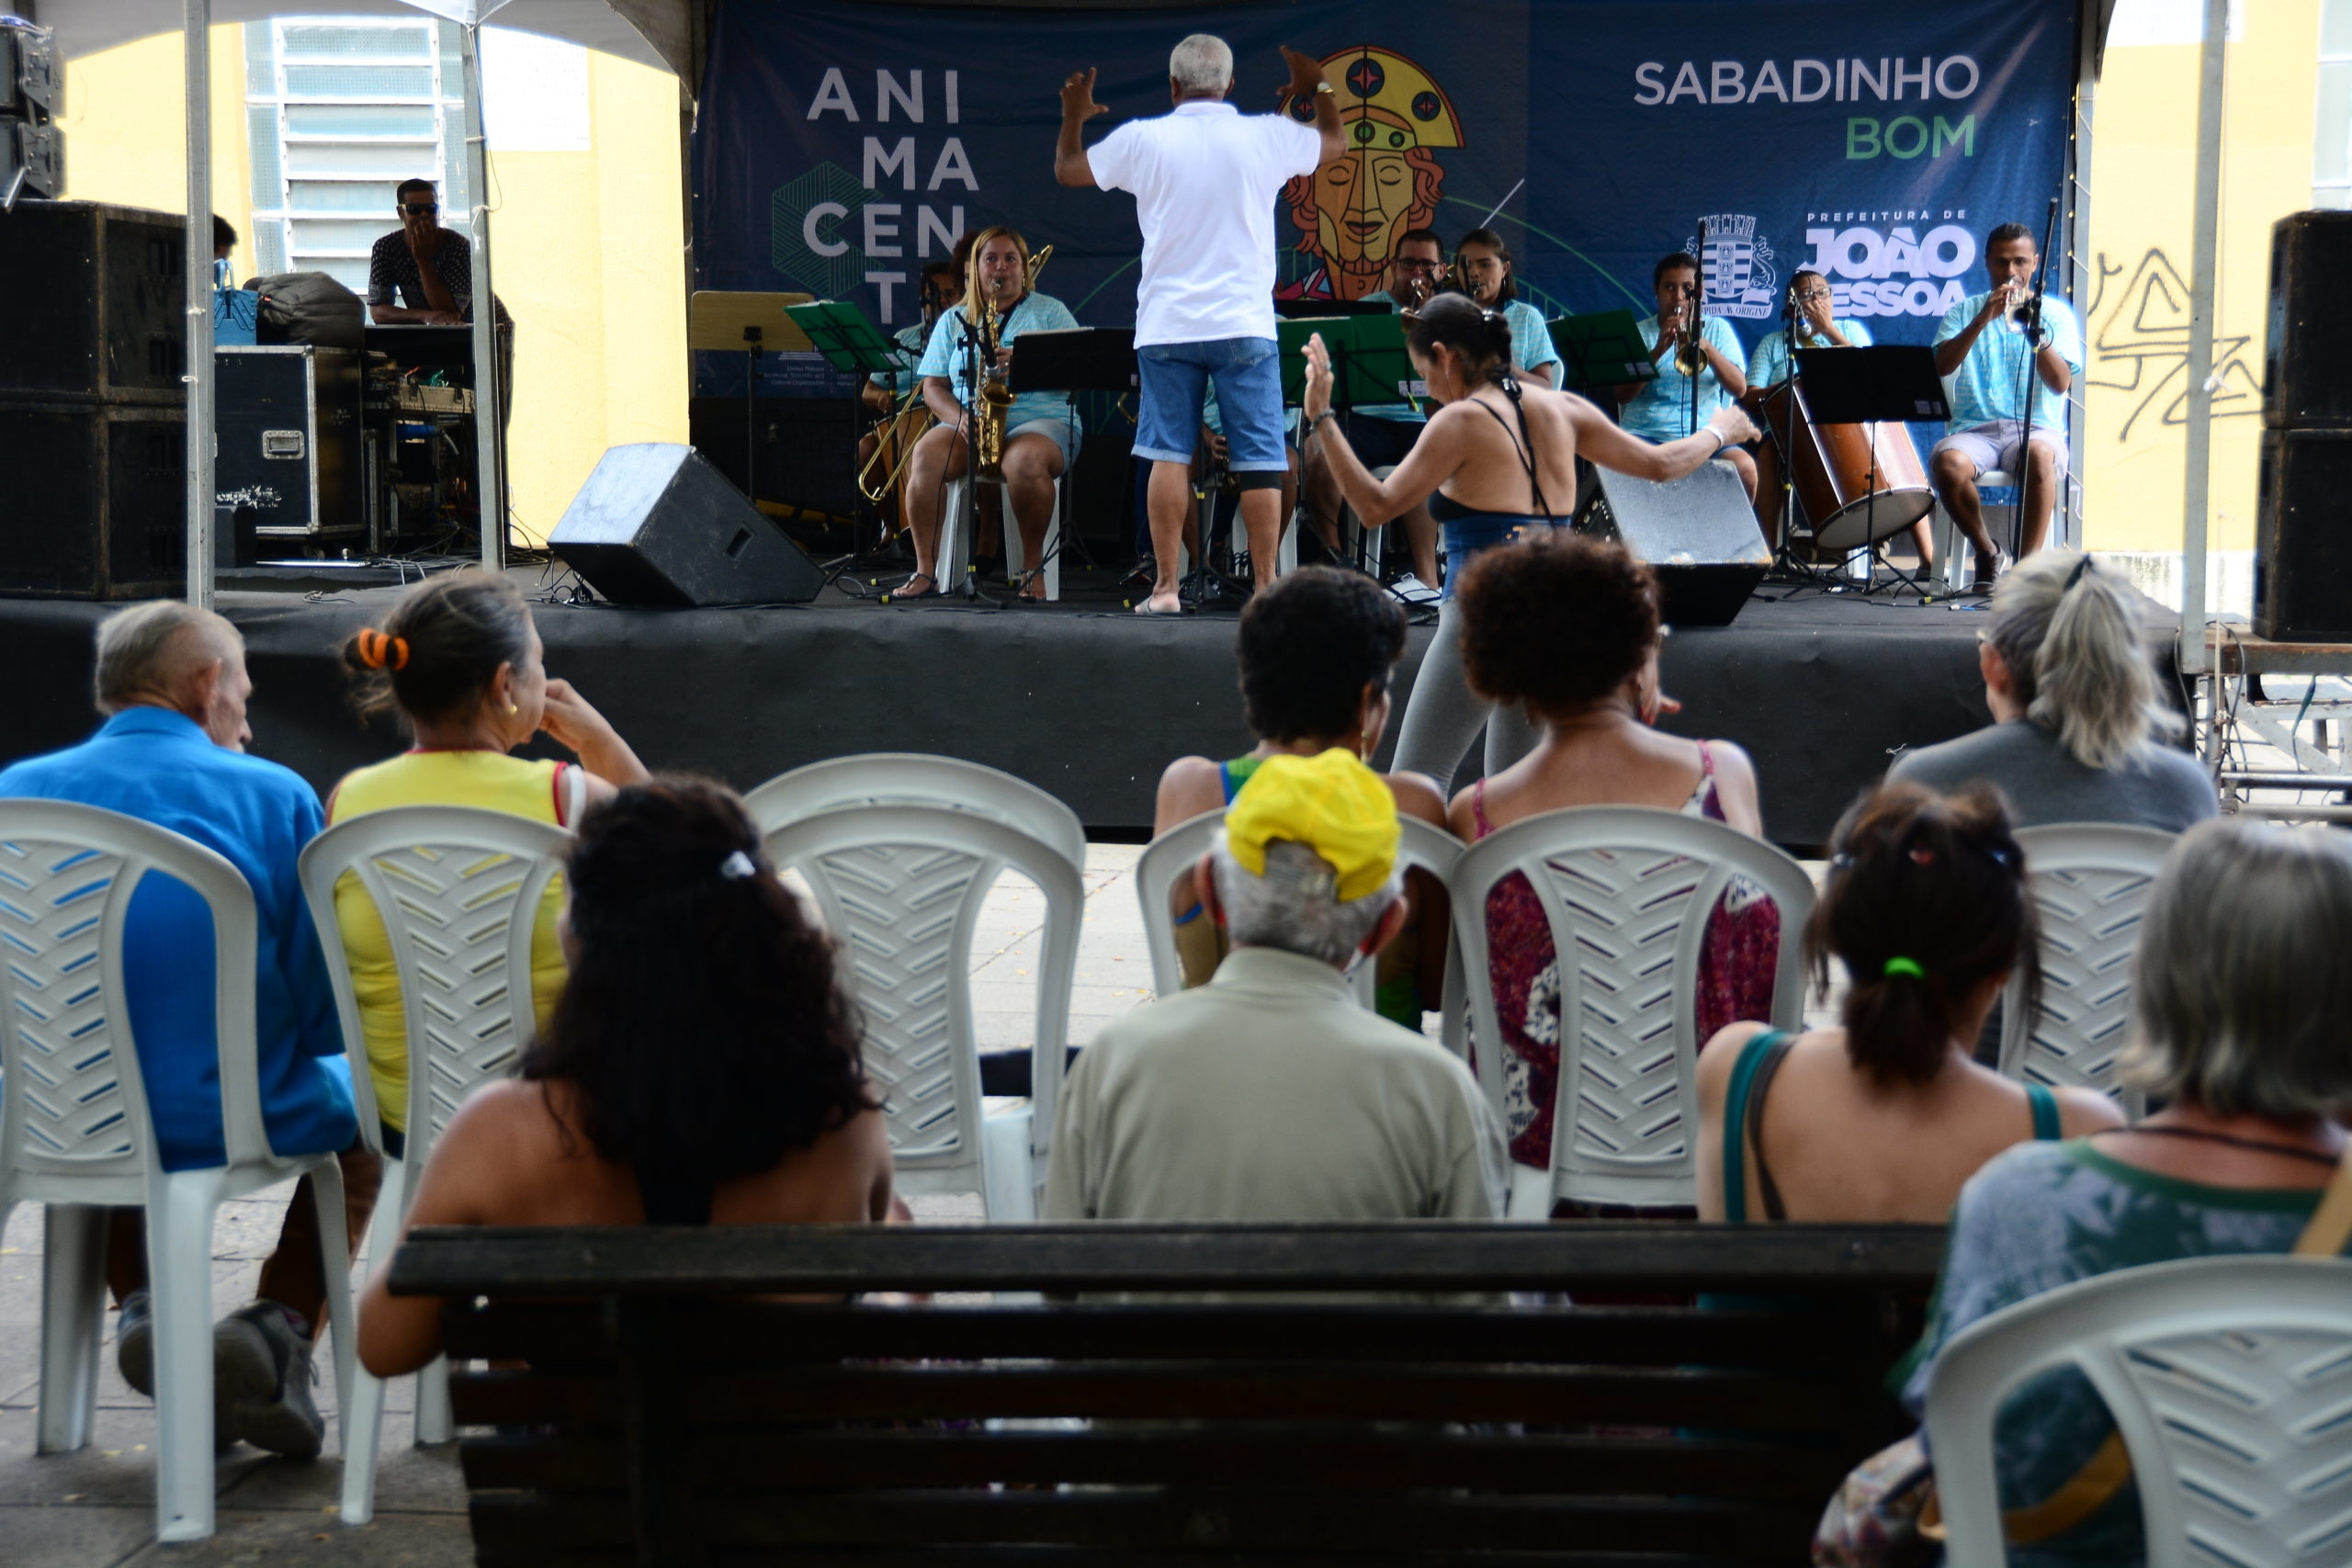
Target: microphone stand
[(968, 586), (2030, 320), (1696, 324)]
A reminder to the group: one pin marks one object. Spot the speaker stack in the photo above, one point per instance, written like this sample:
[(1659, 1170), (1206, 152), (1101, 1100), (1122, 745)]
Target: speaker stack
[(2303, 547), (657, 524), (92, 414)]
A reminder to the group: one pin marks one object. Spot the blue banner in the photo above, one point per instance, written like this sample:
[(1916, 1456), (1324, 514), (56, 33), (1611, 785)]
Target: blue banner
[(841, 145)]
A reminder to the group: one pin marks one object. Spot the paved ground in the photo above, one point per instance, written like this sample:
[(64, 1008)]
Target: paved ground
[(95, 1508)]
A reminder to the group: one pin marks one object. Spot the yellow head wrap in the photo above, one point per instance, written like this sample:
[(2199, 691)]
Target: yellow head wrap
[(1332, 803)]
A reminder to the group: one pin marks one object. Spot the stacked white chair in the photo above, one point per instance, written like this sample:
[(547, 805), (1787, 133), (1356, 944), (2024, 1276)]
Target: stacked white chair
[(2090, 882), (899, 852), (1629, 891), (458, 890), (1167, 864), (2226, 1378), (75, 1134)]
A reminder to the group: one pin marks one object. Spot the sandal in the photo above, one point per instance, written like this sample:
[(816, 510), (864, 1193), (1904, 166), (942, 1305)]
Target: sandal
[(900, 592)]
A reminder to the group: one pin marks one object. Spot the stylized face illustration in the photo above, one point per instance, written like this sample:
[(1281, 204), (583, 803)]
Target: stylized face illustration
[(1361, 203), (1349, 211)]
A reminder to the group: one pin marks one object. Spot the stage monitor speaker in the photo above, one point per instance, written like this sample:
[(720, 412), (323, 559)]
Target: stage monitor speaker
[(2307, 373), (656, 524), (2302, 548), (1698, 534)]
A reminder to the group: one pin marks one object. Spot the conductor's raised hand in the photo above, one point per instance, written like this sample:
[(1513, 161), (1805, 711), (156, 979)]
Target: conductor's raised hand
[(1305, 72), (1078, 96), (1319, 378)]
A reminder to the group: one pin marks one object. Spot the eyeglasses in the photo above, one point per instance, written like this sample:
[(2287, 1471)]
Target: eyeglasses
[(419, 208), (1812, 294), (1412, 265)]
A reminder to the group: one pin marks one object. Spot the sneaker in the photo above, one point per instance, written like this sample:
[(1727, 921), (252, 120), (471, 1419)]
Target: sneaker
[(1989, 571), (134, 1343), (262, 1375), (1413, 591)]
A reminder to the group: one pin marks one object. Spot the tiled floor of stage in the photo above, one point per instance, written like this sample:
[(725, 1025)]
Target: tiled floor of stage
[(95, 1508)]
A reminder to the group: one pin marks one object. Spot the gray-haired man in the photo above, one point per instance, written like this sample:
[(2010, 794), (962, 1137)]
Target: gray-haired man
[(1270, 1093)]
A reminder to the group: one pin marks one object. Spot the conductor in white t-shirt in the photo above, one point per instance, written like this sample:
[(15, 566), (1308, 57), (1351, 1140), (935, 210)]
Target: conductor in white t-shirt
[(1204, 178)]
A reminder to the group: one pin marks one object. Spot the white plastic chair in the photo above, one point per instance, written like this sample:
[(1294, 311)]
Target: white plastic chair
[(915, 778), (2090, 881), (959, 523), (2226, 1378), (900, 889), (1168, 861), (75, 1134), (458, 890), (1628, 891)]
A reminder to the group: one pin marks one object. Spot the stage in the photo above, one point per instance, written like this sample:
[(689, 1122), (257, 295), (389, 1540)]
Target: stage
[(1083, 698)]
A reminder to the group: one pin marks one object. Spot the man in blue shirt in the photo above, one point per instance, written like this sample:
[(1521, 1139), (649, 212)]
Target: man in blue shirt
[(172, 681), (1662, 410), (1983, 349)]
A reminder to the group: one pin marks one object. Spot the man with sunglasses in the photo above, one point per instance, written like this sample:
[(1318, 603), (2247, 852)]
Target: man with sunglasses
[(423, 275)]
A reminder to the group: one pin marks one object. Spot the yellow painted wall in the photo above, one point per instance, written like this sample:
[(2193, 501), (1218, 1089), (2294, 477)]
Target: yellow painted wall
[(588, 251), (126, 138), (2136, 302)]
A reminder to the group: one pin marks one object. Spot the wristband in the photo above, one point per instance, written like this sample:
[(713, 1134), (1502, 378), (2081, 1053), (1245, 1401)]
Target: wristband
[(1722, 441), (1315, 426), (1325, 90)]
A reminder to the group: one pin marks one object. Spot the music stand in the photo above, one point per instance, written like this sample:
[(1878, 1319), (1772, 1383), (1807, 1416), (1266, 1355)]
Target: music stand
[(1317, 309), (1370, 365), (1071, 360), (1601, 349), (1884, 383), (729, 321)]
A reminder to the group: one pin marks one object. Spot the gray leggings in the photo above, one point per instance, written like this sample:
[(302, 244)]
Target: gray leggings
[(1443, 716)]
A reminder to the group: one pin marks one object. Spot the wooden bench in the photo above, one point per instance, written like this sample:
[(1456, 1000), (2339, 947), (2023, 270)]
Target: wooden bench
[(667, 1414)]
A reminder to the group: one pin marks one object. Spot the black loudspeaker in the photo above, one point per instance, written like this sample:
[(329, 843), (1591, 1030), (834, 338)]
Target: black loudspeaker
[(95, 502), (656, 524), (2307, 369), (1698, 534), (94, 303), (2303, 536)]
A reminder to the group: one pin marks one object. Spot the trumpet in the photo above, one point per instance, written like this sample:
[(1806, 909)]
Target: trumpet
[(1686, 357), (993, 397)]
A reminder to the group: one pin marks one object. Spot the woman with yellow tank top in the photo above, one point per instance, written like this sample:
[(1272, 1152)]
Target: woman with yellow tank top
[(460, 662)]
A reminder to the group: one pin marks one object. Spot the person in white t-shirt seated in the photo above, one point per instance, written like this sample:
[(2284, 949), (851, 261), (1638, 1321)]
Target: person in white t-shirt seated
[(1204, 178)]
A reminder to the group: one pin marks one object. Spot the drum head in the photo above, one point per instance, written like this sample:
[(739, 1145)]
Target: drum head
[(1880, 515)]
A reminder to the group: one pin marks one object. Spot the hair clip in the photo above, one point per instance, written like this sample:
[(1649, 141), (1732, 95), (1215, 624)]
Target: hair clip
[(737, 867), (2075, 576), (1904, 967), (1923, 857), (376, 650)]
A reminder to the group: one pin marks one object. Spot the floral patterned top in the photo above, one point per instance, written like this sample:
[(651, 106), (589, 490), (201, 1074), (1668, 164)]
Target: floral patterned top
[(2041, 1215), (1736, 974)]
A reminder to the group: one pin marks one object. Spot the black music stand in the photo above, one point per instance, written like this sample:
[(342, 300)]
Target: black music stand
[(1601, 349), (1370, 365), (1071, 360), (1323, 310), (1886, 383)]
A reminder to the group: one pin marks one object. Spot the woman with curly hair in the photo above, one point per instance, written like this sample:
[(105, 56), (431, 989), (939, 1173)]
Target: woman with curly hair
[(702, 1067), (1885, 1116), (1568, 626)]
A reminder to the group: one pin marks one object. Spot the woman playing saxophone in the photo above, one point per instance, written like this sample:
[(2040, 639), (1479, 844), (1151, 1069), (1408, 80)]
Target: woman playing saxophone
[(1039, 440)]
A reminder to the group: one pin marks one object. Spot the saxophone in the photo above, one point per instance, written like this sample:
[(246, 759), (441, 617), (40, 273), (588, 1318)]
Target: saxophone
[(994, 394)]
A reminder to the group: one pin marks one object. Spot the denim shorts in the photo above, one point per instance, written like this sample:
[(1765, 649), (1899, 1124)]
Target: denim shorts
[(1249, 377), (1468, 537)]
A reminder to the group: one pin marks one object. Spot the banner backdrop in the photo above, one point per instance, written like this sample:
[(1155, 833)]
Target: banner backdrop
[(840, 145)]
